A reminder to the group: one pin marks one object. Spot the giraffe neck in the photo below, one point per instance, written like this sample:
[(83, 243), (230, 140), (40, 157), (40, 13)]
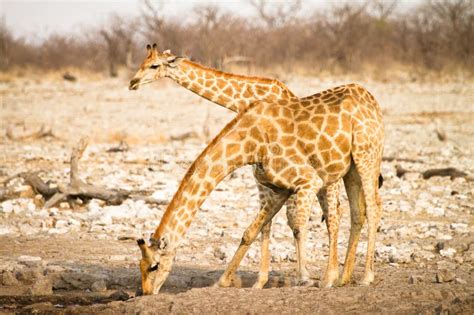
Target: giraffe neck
[(234, 92), (221, 157)]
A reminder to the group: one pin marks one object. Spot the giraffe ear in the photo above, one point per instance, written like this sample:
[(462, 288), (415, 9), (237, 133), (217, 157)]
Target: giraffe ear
[(174, 61), (167, 52)]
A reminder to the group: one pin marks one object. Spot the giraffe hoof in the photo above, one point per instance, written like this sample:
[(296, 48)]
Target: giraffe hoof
[(220, 284), (342, 282), (328, 284), (235, 281), (367, 280), (258, 285)]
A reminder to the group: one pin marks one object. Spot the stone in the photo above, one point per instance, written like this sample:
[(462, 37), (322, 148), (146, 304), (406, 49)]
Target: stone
[(61, 224), (435, 211), (30, 276), (76, 280), (62, 230), (448, 252), (119, 295), (30, 261), (460, 281), (99, 286), (42, 286), (415, 279), (439, 246), (445, 276), (5, 229), (459, 228), (8, 279), (144, 213), (219, 253), (7, 206)]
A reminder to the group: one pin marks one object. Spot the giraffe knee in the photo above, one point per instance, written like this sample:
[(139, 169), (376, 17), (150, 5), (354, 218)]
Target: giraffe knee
[(247, 238), (297, 233)]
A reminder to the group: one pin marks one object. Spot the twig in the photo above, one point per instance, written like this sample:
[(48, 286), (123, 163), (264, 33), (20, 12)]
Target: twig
[(122, 147), (393, 158)]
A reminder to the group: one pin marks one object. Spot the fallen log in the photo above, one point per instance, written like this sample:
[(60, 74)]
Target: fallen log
[(77, 189), (448, 171)]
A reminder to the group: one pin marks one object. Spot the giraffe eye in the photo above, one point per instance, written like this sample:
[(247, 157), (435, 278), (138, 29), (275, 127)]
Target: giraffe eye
[(154, 268), (154, 66)]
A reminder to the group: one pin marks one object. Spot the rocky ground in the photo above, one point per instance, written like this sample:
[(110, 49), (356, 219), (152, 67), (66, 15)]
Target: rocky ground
[(84, 260)]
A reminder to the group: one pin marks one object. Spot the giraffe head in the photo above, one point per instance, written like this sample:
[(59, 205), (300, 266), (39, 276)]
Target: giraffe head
[(155, 265), (155, 66)]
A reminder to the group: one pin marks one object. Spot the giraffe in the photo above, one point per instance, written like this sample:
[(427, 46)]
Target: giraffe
[(236, 93), (301, 146)]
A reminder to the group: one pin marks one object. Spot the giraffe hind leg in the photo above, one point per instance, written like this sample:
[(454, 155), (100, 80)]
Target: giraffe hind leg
[(355, 195)]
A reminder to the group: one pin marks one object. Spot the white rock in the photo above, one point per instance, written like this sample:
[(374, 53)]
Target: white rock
[(435, 211), (61, 224), (62, 230), (120, 212), (26, 258), (53, 211), (31, 206), (160, 195), (448, 252), (74, 222), (7, 206), (43, 213), (94, 206), (144, 212), (425, 196), (104, 219), (460, 228), (5, 229), (404, 206)]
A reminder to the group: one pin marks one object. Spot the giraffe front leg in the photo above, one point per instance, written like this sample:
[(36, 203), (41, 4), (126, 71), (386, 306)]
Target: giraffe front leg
[(266, 213), (330, 204), (265, 257), (305, 197)]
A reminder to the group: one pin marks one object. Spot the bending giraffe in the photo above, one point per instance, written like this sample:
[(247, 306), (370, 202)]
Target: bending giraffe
[(237, 92), (301, 147)]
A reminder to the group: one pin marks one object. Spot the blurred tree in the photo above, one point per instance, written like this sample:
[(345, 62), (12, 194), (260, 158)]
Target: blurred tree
[(276, 13)]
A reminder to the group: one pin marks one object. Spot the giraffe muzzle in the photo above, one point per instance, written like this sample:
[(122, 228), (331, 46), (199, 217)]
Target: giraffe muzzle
[(134, 84)]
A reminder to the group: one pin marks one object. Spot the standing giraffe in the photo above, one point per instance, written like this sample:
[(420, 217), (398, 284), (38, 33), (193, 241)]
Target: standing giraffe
[(301, 146), (237, 92)]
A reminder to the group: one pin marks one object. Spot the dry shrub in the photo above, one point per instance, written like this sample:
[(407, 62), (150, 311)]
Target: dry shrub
[(350, 37)]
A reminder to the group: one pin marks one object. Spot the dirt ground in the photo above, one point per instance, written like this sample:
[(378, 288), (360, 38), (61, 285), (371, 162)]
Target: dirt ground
[(85, 260)]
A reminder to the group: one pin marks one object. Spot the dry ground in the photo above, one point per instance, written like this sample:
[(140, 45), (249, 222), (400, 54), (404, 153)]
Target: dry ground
[(85, 260)]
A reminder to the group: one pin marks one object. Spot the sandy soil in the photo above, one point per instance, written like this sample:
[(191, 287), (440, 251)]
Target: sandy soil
[(60, 260)]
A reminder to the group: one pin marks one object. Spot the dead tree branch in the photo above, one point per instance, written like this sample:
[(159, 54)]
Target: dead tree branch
[(43, 132), (77, 188)]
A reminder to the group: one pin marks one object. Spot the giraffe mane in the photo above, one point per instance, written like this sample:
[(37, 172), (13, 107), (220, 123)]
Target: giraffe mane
[(228, 75), (177, 196)]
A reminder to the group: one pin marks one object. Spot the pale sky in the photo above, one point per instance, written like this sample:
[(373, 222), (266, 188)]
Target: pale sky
[(36, 19)]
